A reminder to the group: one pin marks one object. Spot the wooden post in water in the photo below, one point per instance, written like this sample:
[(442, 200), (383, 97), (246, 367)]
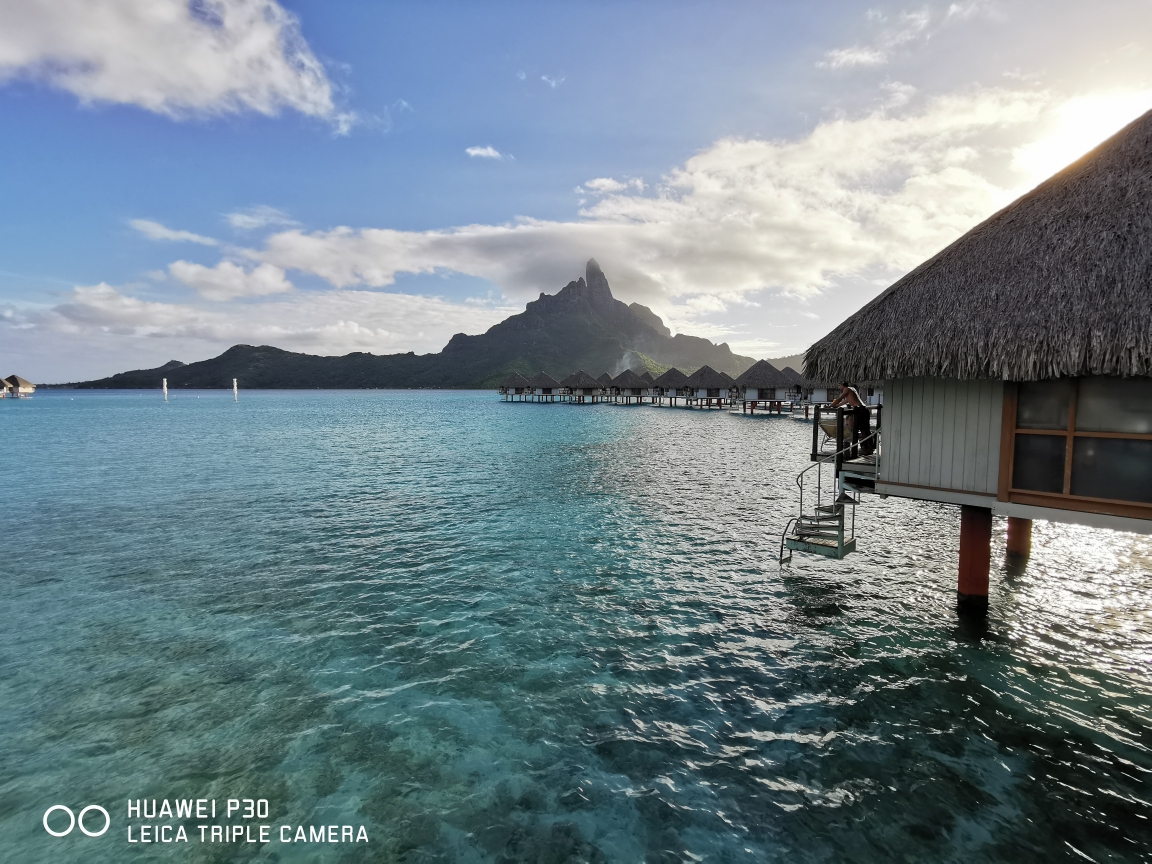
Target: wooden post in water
[(1019, 537), (975, 559)]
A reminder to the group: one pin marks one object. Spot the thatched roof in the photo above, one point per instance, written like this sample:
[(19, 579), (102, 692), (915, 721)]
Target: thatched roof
[(671, 379), (605, 380), (792, 375), (647, 377), (580, 381), (762, 374), (17, 381), (544, 381), (628, 379), (1057, 283), (515, 380), (707, 378)]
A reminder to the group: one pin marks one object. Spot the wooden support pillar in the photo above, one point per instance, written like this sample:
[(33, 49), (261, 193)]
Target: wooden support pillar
[(1019, 545), (975, 559), (1019, 537)]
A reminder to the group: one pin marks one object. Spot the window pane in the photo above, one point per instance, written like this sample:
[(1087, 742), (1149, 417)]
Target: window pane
[(1044, 404), (1115, 405), (1118, 468), (1039, 463)]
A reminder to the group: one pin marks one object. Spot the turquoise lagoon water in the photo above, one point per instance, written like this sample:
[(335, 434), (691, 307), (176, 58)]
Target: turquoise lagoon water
[(522, 633)]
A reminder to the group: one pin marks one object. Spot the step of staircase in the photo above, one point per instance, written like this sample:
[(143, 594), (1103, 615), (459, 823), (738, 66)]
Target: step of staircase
[(828, 547)]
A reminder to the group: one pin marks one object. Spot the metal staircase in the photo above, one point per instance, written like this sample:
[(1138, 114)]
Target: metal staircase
[(832, 492)]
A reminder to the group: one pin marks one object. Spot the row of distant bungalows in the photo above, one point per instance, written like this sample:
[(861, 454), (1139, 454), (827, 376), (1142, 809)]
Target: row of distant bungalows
[(761, 386), (15, 387)]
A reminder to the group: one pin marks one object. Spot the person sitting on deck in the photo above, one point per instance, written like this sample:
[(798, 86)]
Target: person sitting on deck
[(860, 418)]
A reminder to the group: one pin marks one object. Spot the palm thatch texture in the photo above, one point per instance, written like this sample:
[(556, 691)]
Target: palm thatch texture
[(792, 375), (707, 378), (647, 376), (515, 381), (581, 381), (605, 380), (1058, 283), (629, 380), (543, 381), (763, 376), (671, 380)]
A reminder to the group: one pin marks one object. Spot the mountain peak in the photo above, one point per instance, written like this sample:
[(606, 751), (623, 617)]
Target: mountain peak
[(597, 281)]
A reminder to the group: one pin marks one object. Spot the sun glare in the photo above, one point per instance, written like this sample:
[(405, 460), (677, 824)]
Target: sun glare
[(1077, 126)]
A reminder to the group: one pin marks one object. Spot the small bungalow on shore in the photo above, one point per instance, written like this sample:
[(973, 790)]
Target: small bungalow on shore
[(515, 388), (708, 388), (1017, 362), (670, 385), (761, 386), (16, 387), (628, 388), (583, 389), (545, 388)]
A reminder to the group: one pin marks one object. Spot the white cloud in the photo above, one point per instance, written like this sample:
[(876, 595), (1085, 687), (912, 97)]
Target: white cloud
[(899, 94), (259, 216), (875, 193), (333, 322), (156, 231), (484, 153), (905, 28), (606, 185), (171, 57), (228, 281), (553, 82)]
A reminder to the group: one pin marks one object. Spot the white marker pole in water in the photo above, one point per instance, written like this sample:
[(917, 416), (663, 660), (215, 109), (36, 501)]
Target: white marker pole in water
[(165, 389), (235, 391)]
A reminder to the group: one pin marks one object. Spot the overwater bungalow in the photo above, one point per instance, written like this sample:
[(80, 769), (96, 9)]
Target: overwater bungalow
[(761, 386), (605, 381), (647, 378), (515, 388), (668, 387), (819, 392), (628, 388), (795, 380), (708, 388), (16, 387), (545, 388), (583, 389), (872, 392), (1017, 367)]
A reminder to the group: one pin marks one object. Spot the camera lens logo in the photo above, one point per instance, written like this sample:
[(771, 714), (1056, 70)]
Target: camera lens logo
[(75, 821)]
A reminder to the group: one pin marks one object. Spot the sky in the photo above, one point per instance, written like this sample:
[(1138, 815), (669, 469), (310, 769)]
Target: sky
[(327, 176)]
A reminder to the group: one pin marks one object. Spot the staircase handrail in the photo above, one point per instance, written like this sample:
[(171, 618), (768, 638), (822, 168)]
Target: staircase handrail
[(831, 457)]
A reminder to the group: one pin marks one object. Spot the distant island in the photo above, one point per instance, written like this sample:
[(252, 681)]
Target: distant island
[(582, 326)]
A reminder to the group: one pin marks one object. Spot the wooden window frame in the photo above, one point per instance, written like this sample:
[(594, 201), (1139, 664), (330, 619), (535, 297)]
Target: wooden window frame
[(1064, 500)]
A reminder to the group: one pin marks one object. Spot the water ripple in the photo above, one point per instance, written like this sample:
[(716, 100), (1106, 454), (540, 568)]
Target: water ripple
[(513, 633)]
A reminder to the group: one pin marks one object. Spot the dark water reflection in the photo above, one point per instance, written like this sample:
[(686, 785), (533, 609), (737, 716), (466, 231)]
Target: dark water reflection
[(542, 633)]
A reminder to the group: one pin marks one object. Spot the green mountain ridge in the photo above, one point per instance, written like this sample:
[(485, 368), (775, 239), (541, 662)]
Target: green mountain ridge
[(582, 326)]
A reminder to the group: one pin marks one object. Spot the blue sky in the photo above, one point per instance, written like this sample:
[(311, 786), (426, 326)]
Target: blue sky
[(336, 176)]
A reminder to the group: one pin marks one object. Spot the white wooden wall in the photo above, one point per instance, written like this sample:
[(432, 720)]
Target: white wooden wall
[(941, 433)]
